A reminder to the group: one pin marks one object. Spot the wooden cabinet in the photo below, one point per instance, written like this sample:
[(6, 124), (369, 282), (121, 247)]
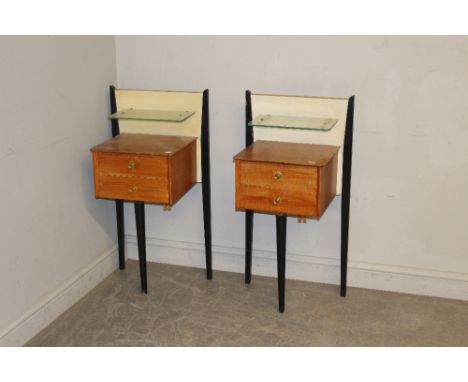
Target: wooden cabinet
[(286, 178), (145, 168)]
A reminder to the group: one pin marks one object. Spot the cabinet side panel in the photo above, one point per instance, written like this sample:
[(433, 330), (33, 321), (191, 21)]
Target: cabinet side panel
[(327, 183), (237, 162), (95, 172), (183, 171)]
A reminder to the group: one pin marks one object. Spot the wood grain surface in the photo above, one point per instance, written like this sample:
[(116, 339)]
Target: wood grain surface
[(279, 178), (132, 167), (288, 153), (150, 144), (182, 172), (132, 164)]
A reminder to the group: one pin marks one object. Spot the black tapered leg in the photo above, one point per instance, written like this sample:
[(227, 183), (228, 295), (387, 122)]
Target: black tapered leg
[(248, 245), (344, 243), (281, 257), (346, 194), (119, 207), (140, 226), (207, 226), (206, 183)]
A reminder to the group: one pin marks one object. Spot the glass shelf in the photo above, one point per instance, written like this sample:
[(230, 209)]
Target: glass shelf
[(290, 122), (153, 115)]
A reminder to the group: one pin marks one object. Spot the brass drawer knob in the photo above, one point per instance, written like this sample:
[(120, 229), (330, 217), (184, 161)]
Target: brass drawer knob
[(276, 200), (278, 175), (132, 189), (131, 164)]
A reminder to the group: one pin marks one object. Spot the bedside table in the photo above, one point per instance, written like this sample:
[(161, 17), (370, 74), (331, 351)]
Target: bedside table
[(297, 159), (160, 149)]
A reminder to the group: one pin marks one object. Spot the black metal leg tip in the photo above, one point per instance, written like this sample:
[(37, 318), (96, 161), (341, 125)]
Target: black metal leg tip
[(281, 309), (145, 291), (248, 279), (209, 275), (122, 267), (343, 293)]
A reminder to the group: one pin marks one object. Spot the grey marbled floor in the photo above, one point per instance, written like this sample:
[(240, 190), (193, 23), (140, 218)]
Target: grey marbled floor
[(182, 308)]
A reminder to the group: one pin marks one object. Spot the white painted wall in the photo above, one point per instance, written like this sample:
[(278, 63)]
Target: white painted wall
[(56, 240), (408, 211)]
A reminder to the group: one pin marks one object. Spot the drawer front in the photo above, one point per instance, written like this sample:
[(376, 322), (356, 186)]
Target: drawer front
[(277, 188), (131, 164), (152, 190)]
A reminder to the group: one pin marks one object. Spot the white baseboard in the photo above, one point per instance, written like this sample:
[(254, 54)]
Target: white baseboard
[(57, 302), (308, 268)]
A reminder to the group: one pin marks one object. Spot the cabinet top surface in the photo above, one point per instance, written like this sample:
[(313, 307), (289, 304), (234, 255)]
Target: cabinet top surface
[(150, 144), (288, 153)]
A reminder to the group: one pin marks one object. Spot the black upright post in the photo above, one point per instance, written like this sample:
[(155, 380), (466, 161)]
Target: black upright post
[(249, 139), (140, 226), (119, 204), (281, 257), (206, 183), (113, 109), (346, 194), (249, 214)]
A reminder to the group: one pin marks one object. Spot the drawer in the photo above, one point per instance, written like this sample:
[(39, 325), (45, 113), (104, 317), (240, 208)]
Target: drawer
[(131, 164), (277, 188), (277, 176), (115, 186)]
